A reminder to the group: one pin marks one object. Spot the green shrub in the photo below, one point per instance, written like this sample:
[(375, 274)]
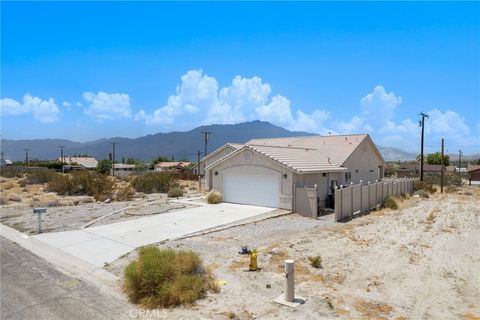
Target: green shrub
[(164, 278), (390, 203), (39, 176), (425, 185), (154, 182), (316, 261), (214, 197), (175, 192)]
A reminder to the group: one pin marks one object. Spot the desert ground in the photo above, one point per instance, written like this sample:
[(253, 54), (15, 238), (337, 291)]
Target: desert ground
[(421, 261), (418, 262), (75, 212)]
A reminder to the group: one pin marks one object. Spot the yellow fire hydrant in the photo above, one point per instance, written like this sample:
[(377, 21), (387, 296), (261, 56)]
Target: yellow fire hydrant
[(253, 260)]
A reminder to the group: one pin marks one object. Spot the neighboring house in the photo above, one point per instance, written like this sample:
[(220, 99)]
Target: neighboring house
[(473, 173), (172, 166), (409, 169), (84, 162), (123, 169), (216, 155), (266, 172), (5, 162)]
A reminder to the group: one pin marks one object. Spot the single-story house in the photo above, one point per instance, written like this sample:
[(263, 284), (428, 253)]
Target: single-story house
[(473, 173), (172, 166), (5, 162), (85, 162), (216, 155), (266, 172), (123, 169)]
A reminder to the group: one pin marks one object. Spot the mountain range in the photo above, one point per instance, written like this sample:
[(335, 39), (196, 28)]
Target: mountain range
[(175, 145)]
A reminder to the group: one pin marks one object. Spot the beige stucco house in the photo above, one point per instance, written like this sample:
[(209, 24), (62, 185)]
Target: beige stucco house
[(266, 172), (216, 155)]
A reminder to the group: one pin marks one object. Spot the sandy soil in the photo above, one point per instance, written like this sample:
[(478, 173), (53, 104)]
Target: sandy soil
[(74, 212), (419, 262)]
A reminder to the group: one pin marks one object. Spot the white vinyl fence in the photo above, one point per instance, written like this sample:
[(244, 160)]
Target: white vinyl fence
[(355, 199)]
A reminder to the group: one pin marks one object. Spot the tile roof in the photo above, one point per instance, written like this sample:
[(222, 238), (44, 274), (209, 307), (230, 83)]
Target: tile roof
[(235, 146), (86, 162), (172, 164), (309, 153)]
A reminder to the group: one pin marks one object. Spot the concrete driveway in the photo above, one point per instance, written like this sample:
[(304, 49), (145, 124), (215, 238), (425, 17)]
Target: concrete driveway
[(104, 244)]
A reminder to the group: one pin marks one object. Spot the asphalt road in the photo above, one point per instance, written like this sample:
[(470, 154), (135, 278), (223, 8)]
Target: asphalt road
[(31, 288)]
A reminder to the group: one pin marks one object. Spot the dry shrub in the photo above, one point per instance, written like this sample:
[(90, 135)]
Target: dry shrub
[(97, 185), (315, 261), (165, 277), (61, 184), (3, 200), (14, 198), (10, 172), (425, 185), (8, 185), (154, 182), (125, 194), (451, 189), (214, 197), (390, 203), (40, 176), (175, 192)]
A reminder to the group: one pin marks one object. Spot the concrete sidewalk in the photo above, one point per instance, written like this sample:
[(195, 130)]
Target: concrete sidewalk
[(104, 244)]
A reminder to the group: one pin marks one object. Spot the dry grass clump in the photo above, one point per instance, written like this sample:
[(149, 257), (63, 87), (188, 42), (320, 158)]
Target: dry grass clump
[(390, 203), (373, 310), (40, 176), (214, 197), (175, 192), (11, 172), (8, 185), (166, 278), (14, 197), (3, 200)]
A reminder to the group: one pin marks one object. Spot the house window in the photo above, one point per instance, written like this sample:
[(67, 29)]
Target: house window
[(348, 177)]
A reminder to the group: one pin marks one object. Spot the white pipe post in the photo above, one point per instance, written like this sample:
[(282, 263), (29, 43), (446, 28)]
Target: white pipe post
[(289, 278)]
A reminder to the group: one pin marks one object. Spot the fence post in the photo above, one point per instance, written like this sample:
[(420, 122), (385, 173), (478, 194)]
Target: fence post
[(369, 206), (361, 197), (341, 201)]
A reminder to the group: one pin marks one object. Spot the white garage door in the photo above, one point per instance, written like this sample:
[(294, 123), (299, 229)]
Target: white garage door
[(259, 190)]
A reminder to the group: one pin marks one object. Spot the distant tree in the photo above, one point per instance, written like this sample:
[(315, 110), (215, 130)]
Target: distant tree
[(104, 166), (478, 162), (161, 159), (130, 161), (436, 158)]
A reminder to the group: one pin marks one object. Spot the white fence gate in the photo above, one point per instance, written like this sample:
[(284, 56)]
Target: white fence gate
[(359, 198)]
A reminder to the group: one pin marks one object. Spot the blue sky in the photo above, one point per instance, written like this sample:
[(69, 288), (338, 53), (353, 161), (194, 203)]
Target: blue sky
[(89, 70)]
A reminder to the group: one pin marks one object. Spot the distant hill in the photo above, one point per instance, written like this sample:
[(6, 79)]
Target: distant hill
[(173, 144), (395, 154)]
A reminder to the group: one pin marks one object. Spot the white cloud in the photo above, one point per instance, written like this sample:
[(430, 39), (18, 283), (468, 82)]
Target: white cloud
[(78, 104), (66, 104), (379, 106), (200, 100), (108, 106), (42, 110)]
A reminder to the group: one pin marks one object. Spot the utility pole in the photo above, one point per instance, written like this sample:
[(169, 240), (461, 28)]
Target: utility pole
[(26, 156), (198, 171), (441, 174), (113, 158), (61, 156), (422, 124), (459, 160), (206, 133)]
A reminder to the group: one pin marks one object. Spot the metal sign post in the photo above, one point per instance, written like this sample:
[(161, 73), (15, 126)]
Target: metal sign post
[(39, 212)]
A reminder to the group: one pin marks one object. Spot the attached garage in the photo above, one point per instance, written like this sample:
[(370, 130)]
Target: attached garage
[(255, 189)]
